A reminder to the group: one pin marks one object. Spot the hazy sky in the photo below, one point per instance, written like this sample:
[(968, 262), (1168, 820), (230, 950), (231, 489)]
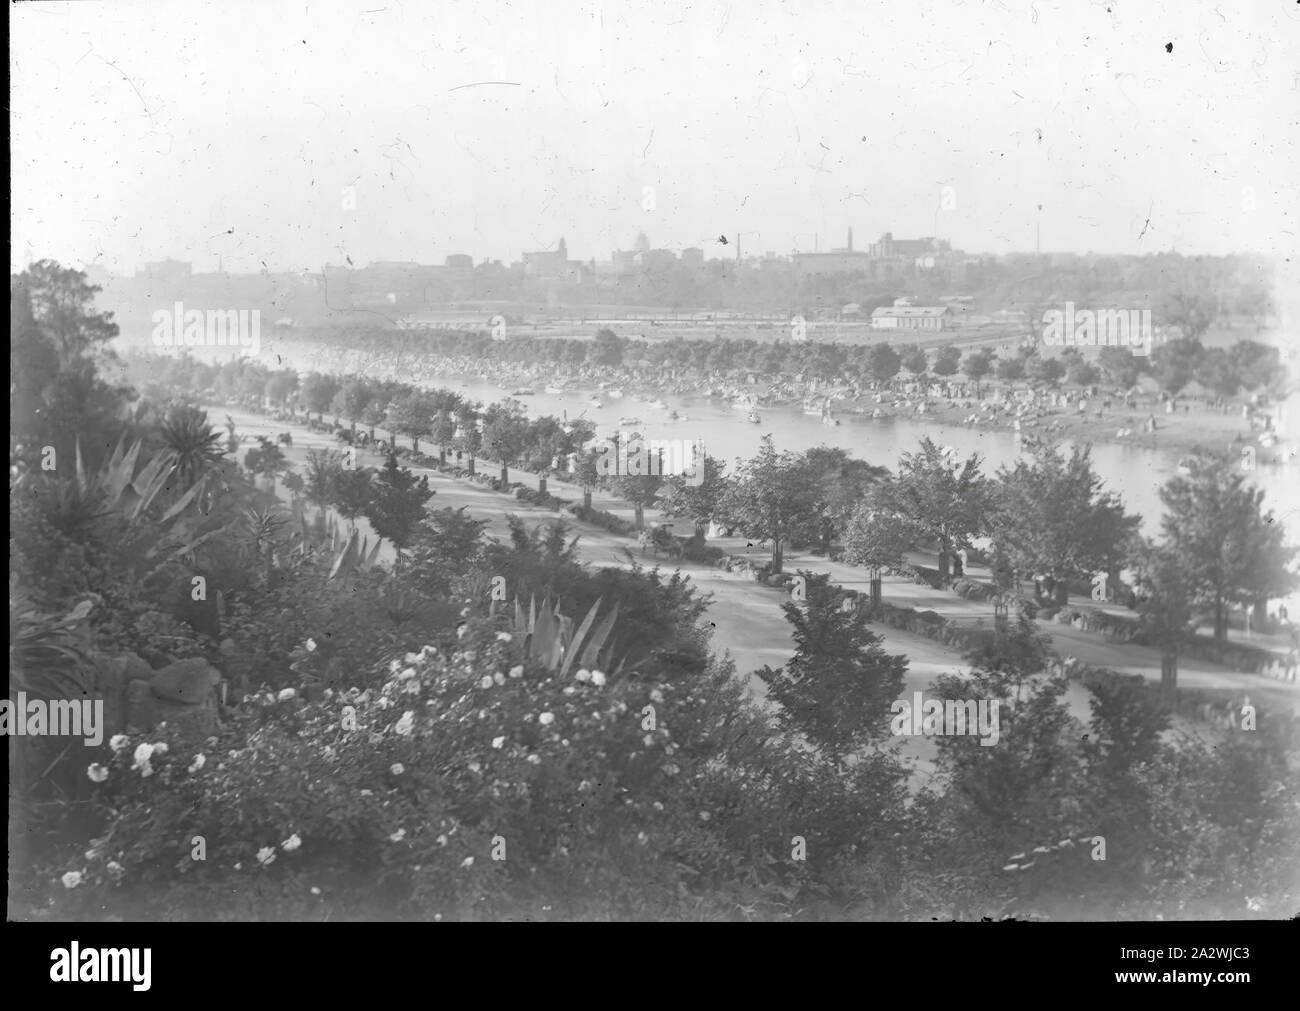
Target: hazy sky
[(231, 130)]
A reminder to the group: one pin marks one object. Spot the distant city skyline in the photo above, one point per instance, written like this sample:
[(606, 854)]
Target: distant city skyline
[(268, 137)]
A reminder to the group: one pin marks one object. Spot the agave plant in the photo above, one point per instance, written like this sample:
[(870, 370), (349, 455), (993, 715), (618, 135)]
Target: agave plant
[(48, 653), (116, 491), (550, 639)]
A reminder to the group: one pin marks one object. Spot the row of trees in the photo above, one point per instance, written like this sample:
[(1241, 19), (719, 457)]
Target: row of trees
[(1245, 367), (634, 780)]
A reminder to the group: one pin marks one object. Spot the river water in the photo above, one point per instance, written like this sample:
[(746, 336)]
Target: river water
[(1135, 473)]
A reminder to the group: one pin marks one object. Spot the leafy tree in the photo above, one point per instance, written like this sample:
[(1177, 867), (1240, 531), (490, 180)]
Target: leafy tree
[(769, 497), (947, 361), (1233, 550), (352, 492), (1120, 366), (1082, 372), (63, 306), (1164, 589), (607, 349), (1011, 369), (267, 460), (281, 386), (321, 468), (1050, 516), (696, 499), (641, 490), (318, 392), (876, 538), (1258, 366), (1191, 311), (914, 360), (352, 399), (976, 365), (883, 362), (505, 434), (397, 504), (1175, 362), (1045, 370), (945, 498), (841, 483), (412, 415), (838, 686)]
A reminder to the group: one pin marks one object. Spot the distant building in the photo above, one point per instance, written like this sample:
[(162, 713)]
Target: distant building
[(167, 271), (547, 263), (909, 249), (460, 261), (910, 317), (657, 259)]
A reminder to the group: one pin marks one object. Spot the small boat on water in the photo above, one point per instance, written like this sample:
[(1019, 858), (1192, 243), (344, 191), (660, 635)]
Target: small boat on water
[(1185, 466), (625, 422), (523, 391), (658, 405), (754, 419), (595, 402), (554, 390), (614, 394)]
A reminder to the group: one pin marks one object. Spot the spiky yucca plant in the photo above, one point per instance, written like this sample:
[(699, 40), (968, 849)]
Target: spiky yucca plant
[(550, 639)]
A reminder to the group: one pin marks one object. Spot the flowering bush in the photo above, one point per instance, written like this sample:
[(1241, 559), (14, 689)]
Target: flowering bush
[(396, 798)]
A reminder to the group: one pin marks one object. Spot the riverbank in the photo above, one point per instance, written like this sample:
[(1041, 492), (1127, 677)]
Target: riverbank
[(1142, 420)]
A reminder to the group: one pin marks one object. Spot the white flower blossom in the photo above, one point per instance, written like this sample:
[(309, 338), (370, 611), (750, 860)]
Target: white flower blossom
[(407, 674), (142, 755), (285, 695), (517, 671), (406, 724), (160, 748), (498, 678), (311, 645), (115, 869), (118, 743), (197, 764), (546, 719), (583, 675), (534, 760), (498, 742), (397, 768), (397, 836), (291, 844), (485, 681), (656, 696), (266, 856), (504, 637), (467, 862), (96, 772), (71, 879), (598, 678)]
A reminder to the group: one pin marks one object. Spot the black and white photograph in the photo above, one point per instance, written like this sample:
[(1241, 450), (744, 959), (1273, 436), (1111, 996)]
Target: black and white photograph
[(676, 462)]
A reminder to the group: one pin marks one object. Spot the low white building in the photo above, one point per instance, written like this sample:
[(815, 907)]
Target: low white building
[(910, 317)]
